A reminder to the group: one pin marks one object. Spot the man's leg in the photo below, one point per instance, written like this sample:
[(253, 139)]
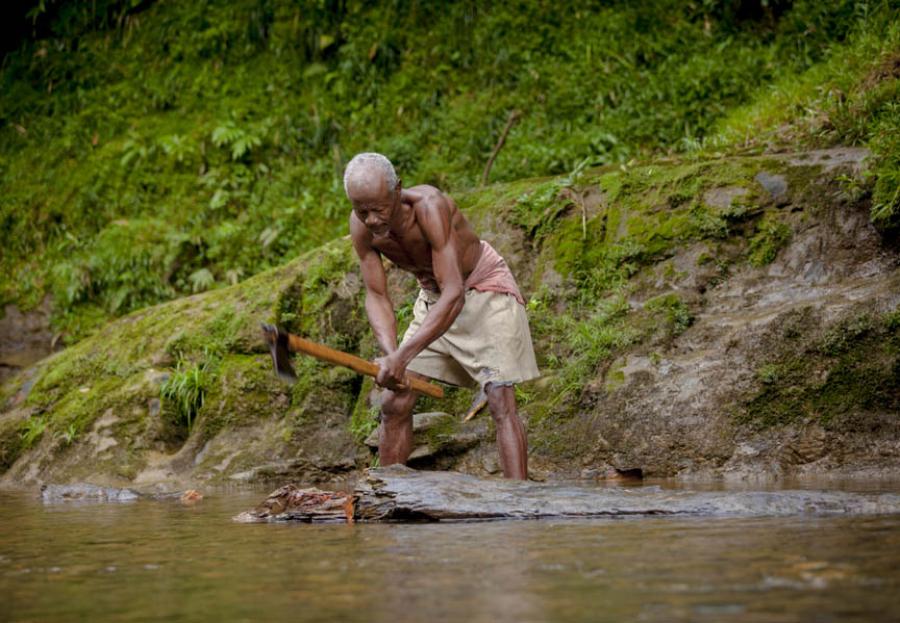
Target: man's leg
[(395, 442), (511, 440)]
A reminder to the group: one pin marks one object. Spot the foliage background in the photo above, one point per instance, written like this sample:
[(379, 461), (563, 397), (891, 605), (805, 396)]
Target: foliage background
[(151, 149)]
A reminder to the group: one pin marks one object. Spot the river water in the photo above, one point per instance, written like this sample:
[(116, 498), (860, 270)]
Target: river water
[(150, 560)]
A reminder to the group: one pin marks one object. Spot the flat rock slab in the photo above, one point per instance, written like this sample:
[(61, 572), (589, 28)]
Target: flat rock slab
[(398, 493)]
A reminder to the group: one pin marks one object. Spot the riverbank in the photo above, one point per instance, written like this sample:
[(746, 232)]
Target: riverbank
[(732, 318)]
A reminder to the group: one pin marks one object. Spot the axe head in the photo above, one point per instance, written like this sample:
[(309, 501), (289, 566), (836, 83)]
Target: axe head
[(278, 346)]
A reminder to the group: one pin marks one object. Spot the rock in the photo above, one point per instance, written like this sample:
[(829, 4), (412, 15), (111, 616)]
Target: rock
[(722, 197), (25, 337), (398, 493), (774, 184), (436, 433), (83, 492)]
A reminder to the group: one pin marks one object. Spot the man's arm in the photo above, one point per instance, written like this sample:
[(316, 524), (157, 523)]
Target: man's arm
[(434, 219), (379, 308)]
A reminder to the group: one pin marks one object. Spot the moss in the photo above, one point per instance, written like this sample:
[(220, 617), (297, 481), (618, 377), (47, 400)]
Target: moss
[(771, 236), (324, 393), (11, 445), (674, 313), (456, 401), (615, 376), (441, 431), (846, 380), (649, 212), (846, 334), (243, 389)]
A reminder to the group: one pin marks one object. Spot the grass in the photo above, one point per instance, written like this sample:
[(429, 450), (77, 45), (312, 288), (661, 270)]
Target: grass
[(185, 390), (850, 97)]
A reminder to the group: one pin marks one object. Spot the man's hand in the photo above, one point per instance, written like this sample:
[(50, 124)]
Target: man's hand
[(391, 372)]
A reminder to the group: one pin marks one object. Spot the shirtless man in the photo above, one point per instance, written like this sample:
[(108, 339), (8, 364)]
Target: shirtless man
[(469, 322)]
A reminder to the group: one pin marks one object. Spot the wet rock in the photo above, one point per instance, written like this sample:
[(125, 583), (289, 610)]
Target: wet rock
[(82, 492), (25, 337), (829, 159), (398, 493)]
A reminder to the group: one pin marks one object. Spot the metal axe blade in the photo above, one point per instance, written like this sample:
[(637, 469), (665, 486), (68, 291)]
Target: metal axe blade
[(278, 346)]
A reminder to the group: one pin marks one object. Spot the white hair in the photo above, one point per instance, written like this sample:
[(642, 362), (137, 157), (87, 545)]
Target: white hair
[(363, 161)]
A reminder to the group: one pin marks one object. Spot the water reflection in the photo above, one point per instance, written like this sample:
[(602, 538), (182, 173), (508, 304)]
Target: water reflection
[(152, 560)]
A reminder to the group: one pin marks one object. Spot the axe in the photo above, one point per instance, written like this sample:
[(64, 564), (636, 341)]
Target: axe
[(282, 344)]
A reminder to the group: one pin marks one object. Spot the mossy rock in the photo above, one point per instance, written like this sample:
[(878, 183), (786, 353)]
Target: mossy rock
[(606, 264)]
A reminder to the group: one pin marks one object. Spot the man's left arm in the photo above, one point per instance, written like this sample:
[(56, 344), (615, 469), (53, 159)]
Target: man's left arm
[(434, 219)]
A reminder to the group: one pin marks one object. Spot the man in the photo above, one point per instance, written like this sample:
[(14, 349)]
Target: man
[(469, 322)]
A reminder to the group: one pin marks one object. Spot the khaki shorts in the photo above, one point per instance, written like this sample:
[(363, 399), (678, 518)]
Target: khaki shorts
[(489, 342)]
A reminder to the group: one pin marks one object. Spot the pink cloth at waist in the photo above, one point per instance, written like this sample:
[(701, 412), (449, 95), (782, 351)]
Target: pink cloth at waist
[(491, 274)]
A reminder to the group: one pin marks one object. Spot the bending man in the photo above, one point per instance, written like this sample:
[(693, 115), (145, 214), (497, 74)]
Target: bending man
[(469, 325)]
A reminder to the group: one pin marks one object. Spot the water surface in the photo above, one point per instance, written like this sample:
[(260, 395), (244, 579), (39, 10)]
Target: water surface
[(159, 560)]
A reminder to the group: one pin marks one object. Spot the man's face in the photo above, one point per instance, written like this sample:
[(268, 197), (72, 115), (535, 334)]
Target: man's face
[(375, 209)]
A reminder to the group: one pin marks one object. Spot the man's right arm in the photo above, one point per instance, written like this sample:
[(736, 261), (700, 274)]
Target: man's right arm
[(379, 308)]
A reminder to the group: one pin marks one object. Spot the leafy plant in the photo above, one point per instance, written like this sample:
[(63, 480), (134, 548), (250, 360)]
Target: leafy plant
[(771, 236), (363, 423), (70, 434), (674, 311), (185, 389), (32, 430)]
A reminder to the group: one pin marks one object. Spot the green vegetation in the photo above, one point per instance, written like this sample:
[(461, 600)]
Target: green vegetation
[(185, 388), (151, 150), (847, 379), (676, 315), (32, 430), (192, 153), (850, 97), (770, 237)]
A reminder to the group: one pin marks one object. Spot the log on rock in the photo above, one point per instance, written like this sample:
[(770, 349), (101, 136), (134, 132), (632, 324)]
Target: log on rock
[(291, 503), (398, 493)]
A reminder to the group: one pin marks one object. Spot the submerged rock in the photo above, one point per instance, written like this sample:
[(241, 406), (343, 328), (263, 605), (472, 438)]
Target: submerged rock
[(84, 492)]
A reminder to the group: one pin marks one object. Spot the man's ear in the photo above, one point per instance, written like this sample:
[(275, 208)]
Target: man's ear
[(398, 186)]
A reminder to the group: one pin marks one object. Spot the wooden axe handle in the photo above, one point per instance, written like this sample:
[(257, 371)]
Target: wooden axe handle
[(297, 344)]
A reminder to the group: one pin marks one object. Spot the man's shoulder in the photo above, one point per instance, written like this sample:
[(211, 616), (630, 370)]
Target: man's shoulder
[(359, 235), (428, 199)]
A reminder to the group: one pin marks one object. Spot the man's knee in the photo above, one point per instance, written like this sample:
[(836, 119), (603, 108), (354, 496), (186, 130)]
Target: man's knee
[(396, 407), (501, 400)]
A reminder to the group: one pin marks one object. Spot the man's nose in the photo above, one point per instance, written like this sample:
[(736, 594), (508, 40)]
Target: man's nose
[(371, 220)]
